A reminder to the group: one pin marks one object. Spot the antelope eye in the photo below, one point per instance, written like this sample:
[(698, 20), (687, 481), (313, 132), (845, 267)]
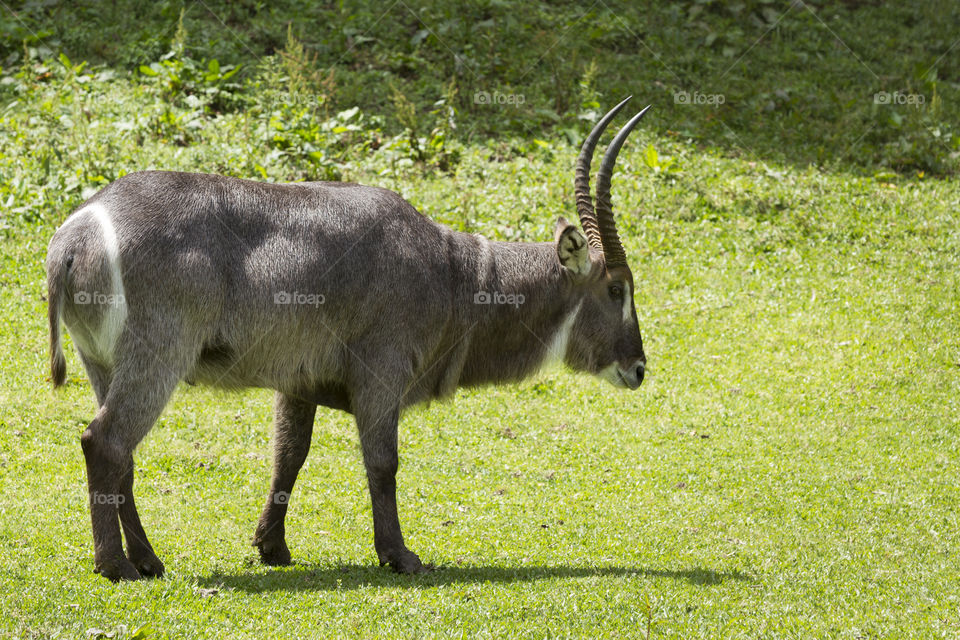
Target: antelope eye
[(616, 291)]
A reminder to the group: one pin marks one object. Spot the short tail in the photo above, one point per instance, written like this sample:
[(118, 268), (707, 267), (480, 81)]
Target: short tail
[(56, 276)]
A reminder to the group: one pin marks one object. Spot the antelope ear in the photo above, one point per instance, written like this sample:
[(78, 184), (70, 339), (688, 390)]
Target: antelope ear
[(572, 248)]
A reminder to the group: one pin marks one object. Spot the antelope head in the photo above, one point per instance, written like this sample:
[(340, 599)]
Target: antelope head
[(605, 337)]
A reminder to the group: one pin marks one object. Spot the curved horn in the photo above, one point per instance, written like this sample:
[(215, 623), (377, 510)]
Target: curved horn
[(581, 181), (612, 249)]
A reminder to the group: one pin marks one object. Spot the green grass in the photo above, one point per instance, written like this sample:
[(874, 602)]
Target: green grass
[(797, 80), (788, 468)]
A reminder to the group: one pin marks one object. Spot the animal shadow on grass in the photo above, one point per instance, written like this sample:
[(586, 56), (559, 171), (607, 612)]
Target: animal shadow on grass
[(320, 577)]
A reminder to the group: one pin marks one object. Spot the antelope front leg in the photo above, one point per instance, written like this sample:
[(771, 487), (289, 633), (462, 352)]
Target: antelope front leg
[(378, 439), (293, 426)]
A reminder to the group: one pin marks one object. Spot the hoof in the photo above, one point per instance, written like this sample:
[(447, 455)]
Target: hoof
[(149, 566), (274, 555), (407, 562), (117, 570)]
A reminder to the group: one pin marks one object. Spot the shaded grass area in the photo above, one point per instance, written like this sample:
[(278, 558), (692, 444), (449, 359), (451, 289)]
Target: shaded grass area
[(787, 82)]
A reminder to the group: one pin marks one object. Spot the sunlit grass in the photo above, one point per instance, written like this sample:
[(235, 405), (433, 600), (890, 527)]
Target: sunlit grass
[(787, 468)]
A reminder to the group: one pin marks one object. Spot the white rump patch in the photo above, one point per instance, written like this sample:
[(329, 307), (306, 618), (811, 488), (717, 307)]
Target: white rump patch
[(112, 303), (560, 340)]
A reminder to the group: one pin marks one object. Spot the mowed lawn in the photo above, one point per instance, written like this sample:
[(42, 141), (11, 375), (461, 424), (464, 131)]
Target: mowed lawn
[(788, 469)]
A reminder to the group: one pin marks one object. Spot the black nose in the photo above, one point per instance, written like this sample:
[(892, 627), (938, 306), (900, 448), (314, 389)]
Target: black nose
[(640, 371)]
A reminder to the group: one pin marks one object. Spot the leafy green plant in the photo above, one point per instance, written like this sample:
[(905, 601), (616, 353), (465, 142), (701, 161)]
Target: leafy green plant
[(659, 164), (325, 147), (204, 83), (925, 141), (434, 148)]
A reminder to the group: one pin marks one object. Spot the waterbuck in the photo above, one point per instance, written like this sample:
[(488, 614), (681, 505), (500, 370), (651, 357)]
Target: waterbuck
[(330, 294)]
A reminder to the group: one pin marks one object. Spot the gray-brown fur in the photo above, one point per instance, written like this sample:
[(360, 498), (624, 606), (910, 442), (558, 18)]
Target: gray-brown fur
[(204, 261)]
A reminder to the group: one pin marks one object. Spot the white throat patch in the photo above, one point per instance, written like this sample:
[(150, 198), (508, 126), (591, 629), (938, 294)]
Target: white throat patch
[(560, 340)]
